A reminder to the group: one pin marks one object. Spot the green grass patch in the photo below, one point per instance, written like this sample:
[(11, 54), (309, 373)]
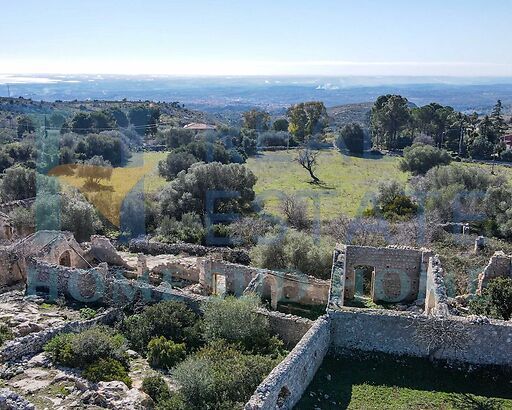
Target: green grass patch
[(345, 180), (386, 382)]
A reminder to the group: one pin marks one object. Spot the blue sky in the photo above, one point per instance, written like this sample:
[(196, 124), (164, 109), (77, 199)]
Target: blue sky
[(280, 37)]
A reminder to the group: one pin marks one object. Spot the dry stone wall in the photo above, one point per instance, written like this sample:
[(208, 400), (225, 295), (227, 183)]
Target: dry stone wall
[(436, 299), (487, 342), (284, 386), (289, 328), (240, 256), (33, 343)]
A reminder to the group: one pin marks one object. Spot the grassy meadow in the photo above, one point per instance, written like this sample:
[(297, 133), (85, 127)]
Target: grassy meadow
[(345, 180), (110, 195), (385, 383)]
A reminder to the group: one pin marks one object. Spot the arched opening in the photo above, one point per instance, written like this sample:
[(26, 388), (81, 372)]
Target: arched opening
[(65, 259)]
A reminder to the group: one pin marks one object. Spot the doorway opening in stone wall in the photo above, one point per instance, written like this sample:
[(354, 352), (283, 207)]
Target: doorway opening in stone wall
[(219, 284), (364, 280), (65, 259)]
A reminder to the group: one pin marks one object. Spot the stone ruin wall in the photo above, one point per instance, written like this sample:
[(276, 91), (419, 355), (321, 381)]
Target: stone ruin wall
[(436, 298), (397, 271), (240, 256), (488, 342), (284, 386), (273, 285), (33, 343), (99, 286), (499, 266)]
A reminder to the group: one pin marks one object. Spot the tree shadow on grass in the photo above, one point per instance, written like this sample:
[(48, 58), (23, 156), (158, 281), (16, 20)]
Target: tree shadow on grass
[(338, 375), (467, 401), (321, 185)]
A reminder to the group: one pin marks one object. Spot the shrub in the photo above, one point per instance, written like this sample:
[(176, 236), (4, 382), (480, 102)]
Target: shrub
[(273, 139), (295, 209), (173, 320), (220, 377), (190, 229), (223, 318), (246, 231), (351, 138), (165, 353), (281, 124), (18, 183), (456, 190), (296, 251), (156, 388), (60, 349), (495, 301), (23, 220), (175, 163), (86, 348), (5, 333), (188, 192), (176, 137), (107, 370), (79, 216), (175, 402), (392, 204), (206, 151), (87, 313), (419, 158)]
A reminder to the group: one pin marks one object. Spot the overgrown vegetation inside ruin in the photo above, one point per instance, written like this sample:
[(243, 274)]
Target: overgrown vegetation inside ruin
[(216, 362)]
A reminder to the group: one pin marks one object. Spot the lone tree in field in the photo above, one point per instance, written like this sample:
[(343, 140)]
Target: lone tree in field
[(95, 170), (308, 159)]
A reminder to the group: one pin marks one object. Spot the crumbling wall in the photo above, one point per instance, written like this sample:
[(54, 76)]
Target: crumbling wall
[(58, 247), (178, 269), (103, 251), (99, 286), (240, 256), (289, 328), (273, 285), (397, 271), (485, 341), (12, 267), (33, 343), (284, 386), (436, 298), (499, 266)]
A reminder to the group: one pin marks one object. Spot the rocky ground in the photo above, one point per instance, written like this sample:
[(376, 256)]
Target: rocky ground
[(24, 315), (36, 383), (39, 383)]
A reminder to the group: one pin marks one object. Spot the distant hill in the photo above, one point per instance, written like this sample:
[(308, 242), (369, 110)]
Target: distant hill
[(344, 114), (172, 113)]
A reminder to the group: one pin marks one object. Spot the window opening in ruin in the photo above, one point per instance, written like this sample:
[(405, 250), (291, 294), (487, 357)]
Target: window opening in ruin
[(283, 396), (65, 259), (220, 284), (364, 280)]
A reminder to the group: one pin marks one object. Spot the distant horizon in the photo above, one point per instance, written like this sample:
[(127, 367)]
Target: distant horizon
[(55, 77)]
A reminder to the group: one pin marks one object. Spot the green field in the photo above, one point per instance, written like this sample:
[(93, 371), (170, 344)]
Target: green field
[(386, 383), (346, 180)]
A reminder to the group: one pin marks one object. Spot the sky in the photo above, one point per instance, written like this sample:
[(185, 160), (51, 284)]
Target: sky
[(264, 37)]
